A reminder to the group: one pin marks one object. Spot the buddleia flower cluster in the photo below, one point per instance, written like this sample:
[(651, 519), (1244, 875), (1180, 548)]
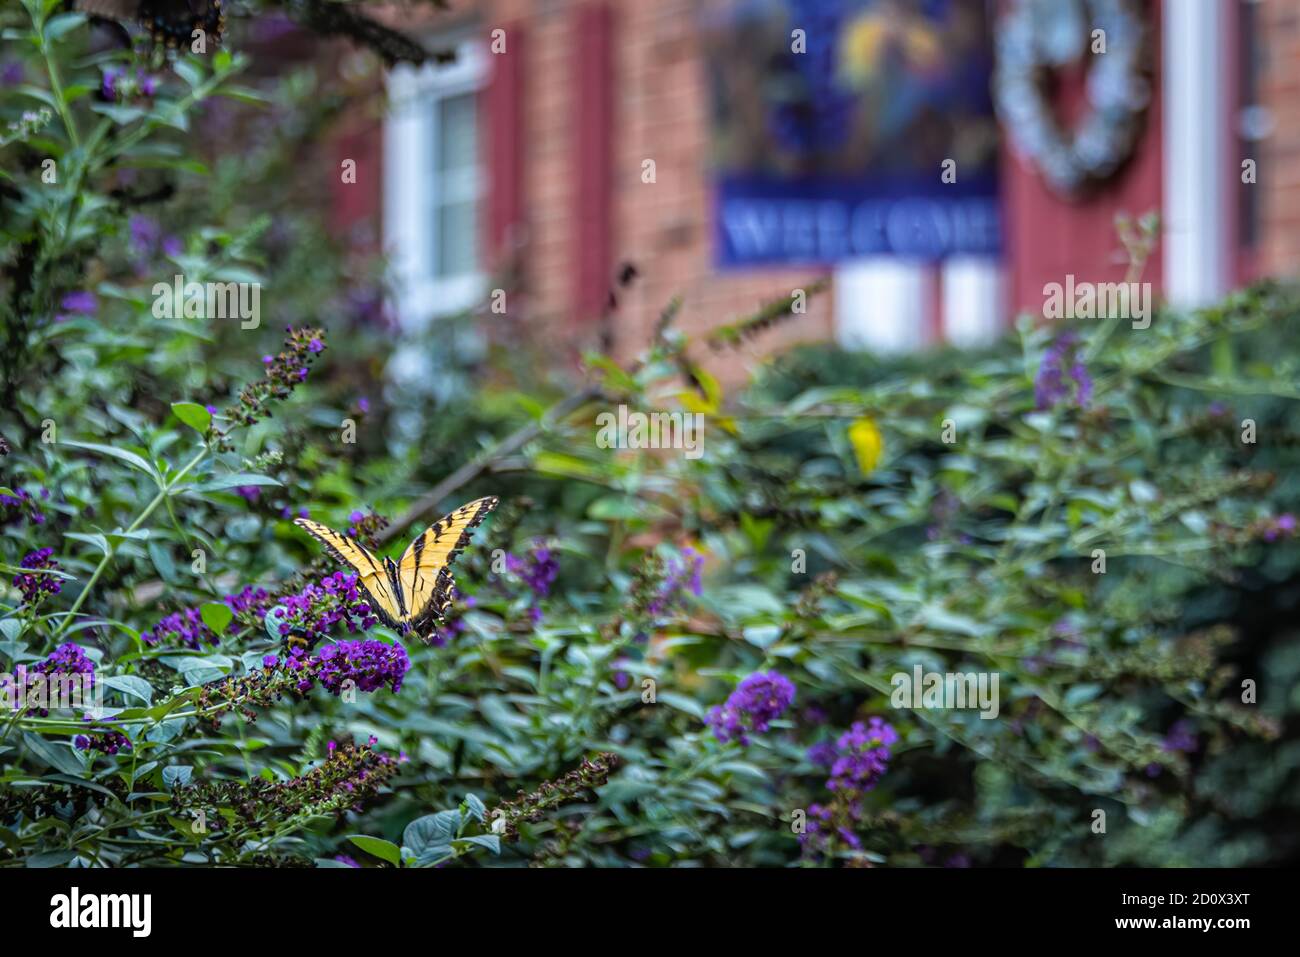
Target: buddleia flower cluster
[(350, 775), (574, 786), (67, 659), (107, 742), (313, 612), (683, 575), (33, 582), (1063, 377), (757, 701), (364, 665), (21, 505), (538, 569), (186, 628), (282, 373), (857, 760), (658, 590)]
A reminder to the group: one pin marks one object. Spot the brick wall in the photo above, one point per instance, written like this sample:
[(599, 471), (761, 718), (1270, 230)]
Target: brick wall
[(1279, 153), (659, 112), (664, 228)]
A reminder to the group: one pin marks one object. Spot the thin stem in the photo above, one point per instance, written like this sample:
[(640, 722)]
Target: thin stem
[(163, 492)]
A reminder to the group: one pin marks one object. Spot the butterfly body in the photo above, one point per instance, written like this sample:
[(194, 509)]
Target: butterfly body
[(412, 593), (171, 23)]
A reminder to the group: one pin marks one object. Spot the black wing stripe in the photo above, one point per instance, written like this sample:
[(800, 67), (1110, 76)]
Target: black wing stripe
[(376, 604), (432, 608)]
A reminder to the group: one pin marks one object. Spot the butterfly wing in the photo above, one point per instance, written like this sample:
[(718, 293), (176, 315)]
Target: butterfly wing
[(109, 9), (424, 570), (370, 570)]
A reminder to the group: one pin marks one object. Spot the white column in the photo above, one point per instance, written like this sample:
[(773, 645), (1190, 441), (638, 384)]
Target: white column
[(973, 300), (1195, 178), (407, 163), (881, 303)]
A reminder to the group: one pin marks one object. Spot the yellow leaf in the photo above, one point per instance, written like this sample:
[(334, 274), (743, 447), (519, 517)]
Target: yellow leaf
[(868, 444)]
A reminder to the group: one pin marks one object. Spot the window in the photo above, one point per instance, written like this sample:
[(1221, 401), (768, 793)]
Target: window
[(433, 186)]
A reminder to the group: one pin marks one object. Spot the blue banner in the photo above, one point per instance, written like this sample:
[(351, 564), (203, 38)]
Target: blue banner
[(849, 128)]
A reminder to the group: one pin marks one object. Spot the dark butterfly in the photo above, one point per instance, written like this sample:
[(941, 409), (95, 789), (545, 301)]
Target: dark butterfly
[(171, 23)]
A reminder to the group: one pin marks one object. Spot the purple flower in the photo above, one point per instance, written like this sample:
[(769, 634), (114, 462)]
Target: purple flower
[(109, 742), (683, 575), (77, 304), (368, 664), (1283, 525), (11, 74), (112, 75), (318, 608), (1062, 375), (118, 86), (282, 374), (757, 701), (344, 859), (822, 754), (33, 584), (861, 756), (538, 571), (251, 600), (183, 627), (13, 508), (145, 234), (1181, 736), (67, 659), (249, 493)]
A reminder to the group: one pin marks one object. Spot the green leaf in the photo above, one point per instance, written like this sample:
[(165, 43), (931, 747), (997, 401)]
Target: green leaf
[(217, 616), (57, 754), (235, 479), (162, 560), (476, 807), (432, 831), (50, 858), (274, 618), (194, 415), (58, 26), (491, 841), (384, 850), (131, 685), (118, 113), (177, 775), (188, 71), (122, 455)]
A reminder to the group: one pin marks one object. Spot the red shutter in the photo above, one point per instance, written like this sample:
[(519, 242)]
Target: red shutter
[(593, 94), (356, 207), (503, 121), (1047, 236)]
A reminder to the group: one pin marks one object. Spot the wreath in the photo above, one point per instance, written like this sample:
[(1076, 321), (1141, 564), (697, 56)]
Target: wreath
[(1037, 36)]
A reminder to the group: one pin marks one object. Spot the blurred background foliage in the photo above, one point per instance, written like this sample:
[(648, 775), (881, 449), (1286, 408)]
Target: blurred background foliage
[(830, 533)]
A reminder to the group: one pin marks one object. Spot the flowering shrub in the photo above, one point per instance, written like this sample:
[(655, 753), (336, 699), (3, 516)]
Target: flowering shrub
[(651, 660)]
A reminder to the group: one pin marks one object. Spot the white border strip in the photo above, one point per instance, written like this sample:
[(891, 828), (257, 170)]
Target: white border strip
[(1195, 174)]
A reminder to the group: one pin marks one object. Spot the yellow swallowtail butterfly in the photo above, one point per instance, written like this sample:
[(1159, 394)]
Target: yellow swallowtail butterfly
[(413, 592)]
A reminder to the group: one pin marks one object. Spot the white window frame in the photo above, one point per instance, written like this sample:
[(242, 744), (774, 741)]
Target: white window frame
[(410, 149)]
